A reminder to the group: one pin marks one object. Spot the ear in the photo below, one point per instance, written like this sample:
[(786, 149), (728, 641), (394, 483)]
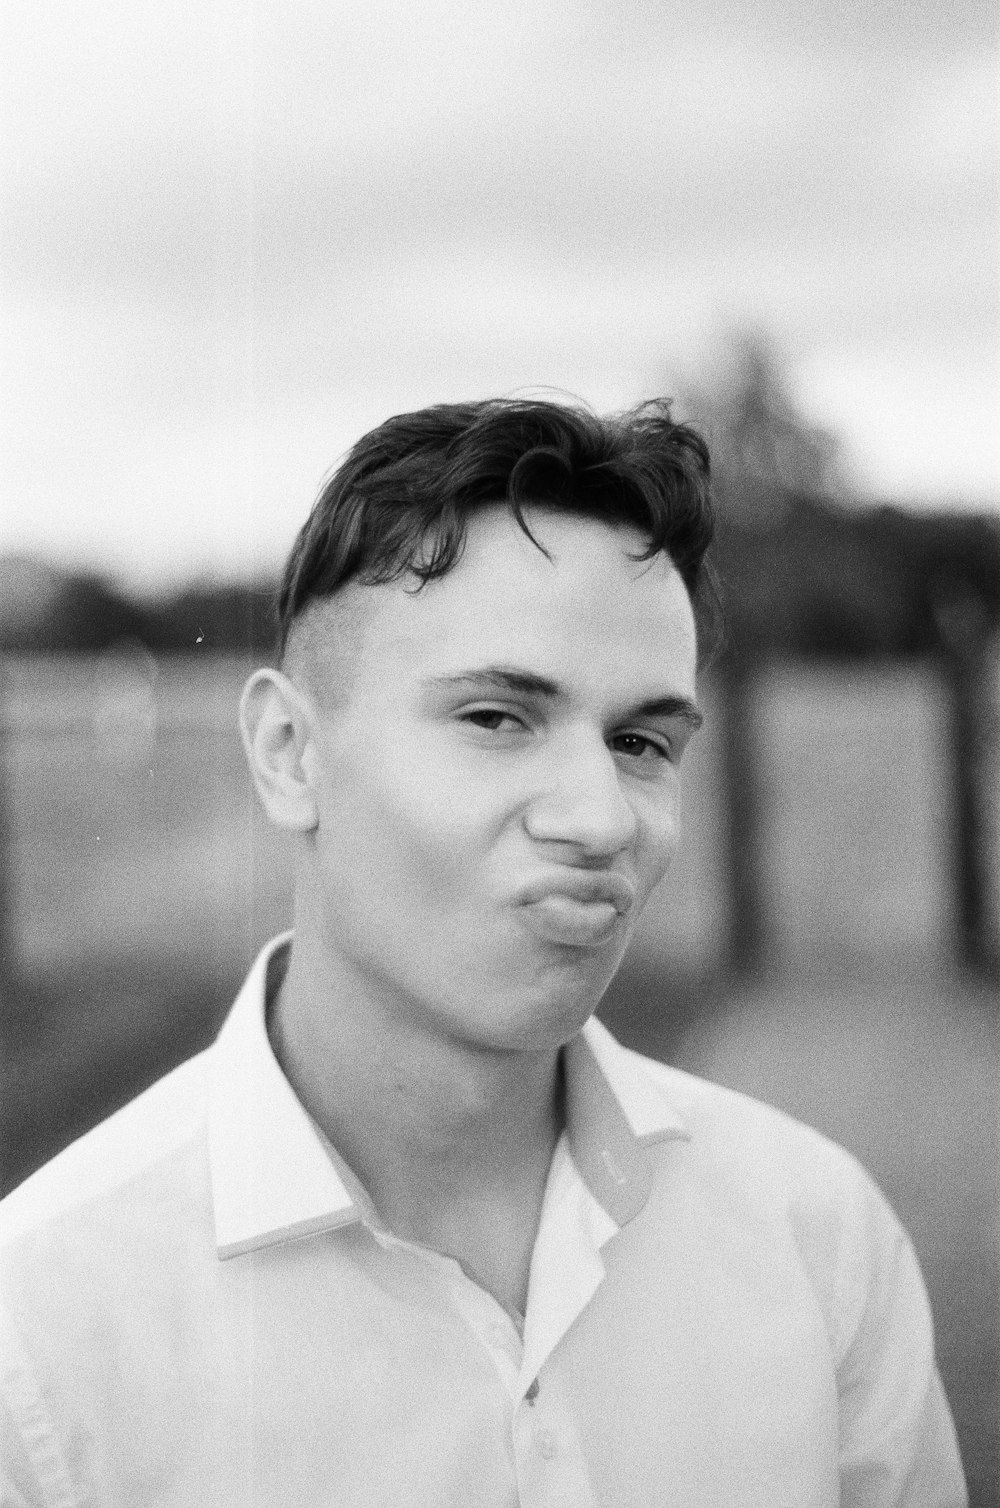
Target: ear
[(277, 724)]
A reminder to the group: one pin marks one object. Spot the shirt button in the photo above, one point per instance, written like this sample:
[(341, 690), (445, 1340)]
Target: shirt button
[(546, 1443)]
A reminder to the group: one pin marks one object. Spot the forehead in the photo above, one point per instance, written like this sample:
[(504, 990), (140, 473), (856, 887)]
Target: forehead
[(583, 611)]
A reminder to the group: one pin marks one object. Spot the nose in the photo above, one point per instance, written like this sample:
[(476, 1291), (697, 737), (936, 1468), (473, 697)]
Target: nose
[(581, 802)]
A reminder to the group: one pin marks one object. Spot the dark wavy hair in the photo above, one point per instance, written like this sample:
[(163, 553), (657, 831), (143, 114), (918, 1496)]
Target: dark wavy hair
[(401, 499)]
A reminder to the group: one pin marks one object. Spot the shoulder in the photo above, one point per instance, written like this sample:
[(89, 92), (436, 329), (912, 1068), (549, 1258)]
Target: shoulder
[(791, 1183), (136, 1149), (106, 1247), (735, 1132), (103, 1255)]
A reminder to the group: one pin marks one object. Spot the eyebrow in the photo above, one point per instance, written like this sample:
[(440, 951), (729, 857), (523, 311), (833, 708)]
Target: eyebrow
[(527, 683)]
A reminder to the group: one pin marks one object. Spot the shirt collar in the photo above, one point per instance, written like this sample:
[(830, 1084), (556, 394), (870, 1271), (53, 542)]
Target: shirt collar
[(275, 1178)]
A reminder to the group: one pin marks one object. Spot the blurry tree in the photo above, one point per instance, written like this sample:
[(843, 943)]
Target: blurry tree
[(765, 452), (43, 608), (233, 618)]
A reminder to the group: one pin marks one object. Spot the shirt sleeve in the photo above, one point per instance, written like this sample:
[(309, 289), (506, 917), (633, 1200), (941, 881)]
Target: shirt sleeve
[(897, 1440), (19, 1487), (33, 1472)]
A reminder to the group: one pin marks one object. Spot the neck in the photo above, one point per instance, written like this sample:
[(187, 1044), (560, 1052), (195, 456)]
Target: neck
[(446, 1137)]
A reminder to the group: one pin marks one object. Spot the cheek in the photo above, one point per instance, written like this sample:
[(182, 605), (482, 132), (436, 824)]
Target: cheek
[(401, 833), (660, 829)]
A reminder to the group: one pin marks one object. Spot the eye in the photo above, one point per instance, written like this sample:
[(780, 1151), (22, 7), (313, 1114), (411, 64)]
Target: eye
[(637, 746), (494, 719)]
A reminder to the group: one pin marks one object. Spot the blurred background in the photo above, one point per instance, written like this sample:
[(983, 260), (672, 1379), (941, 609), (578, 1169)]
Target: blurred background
[(238, 235)]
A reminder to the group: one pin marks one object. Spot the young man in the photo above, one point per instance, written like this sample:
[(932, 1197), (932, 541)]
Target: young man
[(416, 1230)]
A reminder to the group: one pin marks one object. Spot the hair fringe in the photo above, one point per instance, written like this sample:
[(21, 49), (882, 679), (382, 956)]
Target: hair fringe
[(400, 500)]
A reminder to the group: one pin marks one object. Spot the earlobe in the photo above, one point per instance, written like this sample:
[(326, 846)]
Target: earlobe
[(277, 724)]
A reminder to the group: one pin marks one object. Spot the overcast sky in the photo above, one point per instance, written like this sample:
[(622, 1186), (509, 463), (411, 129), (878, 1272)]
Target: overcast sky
[(237, 235)]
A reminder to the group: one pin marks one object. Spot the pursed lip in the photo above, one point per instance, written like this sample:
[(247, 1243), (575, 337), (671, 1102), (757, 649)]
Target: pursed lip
[(584, 885)]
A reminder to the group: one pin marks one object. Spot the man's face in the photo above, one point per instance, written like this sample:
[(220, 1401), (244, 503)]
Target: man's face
[(498, 785)]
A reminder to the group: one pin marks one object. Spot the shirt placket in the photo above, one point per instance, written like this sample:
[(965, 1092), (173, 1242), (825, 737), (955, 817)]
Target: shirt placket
[(567, 1268), (549, 1463)]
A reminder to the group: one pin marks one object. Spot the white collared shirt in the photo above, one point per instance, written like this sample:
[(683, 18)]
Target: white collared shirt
[(200, 1307)]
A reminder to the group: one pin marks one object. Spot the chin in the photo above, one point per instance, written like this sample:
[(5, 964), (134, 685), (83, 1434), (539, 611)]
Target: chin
[(550, 1013)]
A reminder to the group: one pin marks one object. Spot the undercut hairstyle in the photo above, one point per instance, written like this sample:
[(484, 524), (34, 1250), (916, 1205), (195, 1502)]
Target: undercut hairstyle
[(401, 499)]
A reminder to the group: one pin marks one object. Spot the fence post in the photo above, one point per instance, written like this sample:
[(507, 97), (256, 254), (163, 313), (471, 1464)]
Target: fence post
[(749, 938), (7, 959), (975, 745)]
